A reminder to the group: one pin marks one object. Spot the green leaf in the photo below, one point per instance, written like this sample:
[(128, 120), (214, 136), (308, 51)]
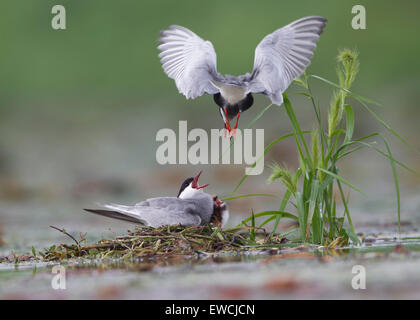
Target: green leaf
[(352, 235), (252, 231), (396, 183), (301, 215), (342, 180), (304, 94), (296, 127), (316, 232), (268, 220), (401, 164), (249, 195), (269, 213), (346, 208), (283, 204), (355, 95), (387, 126), (314, 184), (316, 226), (349, 123), (327, 181), (261, 156), (249, 125)]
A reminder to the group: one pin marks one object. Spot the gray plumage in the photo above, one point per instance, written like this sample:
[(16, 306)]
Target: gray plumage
[(157, 212), (279, 58)]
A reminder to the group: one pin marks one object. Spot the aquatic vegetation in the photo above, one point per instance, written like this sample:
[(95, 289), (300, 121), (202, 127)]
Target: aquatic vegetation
[(312, 188), (166, 241)]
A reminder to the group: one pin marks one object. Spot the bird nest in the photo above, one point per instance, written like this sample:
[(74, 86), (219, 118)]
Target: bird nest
[(164, 241)]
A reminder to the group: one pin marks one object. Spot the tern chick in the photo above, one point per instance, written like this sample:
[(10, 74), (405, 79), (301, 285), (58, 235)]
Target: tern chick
[(192, 207), (279, 58)]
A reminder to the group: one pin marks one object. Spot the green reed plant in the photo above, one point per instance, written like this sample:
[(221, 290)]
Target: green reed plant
[(313, 186)]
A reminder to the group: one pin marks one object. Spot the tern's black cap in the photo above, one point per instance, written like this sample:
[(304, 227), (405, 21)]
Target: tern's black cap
[(185, 184)]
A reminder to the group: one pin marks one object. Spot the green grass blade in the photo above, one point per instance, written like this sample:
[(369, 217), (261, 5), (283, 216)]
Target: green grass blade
[(268, 220), (350, 93), (270, 213), (287, 232), (339, 178), (312, 205), (249, 195), (296, 126), (252, 231), (316, 226), (327, 181), (349, 123), (396, 183), (283, 204), (350, 152), (339, 151), (317, 111), (387, 126), (352, 235), (401, 164), (346, 208), (301, 214), (261, 156), (259, 115)]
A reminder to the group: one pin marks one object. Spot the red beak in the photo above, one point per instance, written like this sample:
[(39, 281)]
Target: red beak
[(195, 184)]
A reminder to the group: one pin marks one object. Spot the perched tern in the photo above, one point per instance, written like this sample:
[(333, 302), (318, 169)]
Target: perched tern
[(192, 207), (279, 58)]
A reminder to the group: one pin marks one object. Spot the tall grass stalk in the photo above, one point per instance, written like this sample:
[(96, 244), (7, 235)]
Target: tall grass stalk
[(316, 188)]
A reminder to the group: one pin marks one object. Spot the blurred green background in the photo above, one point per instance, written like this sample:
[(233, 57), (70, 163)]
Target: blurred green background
[(109, 51), (80, 108)]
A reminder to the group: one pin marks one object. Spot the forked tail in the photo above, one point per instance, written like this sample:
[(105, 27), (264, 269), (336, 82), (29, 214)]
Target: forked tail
[(115, 215)]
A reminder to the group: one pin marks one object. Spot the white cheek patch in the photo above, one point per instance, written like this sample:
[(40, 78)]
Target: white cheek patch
[(225, 217), (189, 192)]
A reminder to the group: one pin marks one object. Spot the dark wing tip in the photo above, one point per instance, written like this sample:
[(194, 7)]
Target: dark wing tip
[(90, 210), (325, 20), (113, 215), (318, 18)]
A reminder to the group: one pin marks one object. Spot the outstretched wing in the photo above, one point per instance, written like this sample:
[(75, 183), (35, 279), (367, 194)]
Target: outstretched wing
[(189, 60), (283, 56)]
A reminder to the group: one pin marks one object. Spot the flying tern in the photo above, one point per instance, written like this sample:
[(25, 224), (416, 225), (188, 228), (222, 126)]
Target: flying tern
[(279, 58)]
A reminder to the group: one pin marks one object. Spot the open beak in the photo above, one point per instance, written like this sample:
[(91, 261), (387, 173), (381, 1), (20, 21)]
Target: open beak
[(228, 127), (195, 184), (217, 201), (227, 123)]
